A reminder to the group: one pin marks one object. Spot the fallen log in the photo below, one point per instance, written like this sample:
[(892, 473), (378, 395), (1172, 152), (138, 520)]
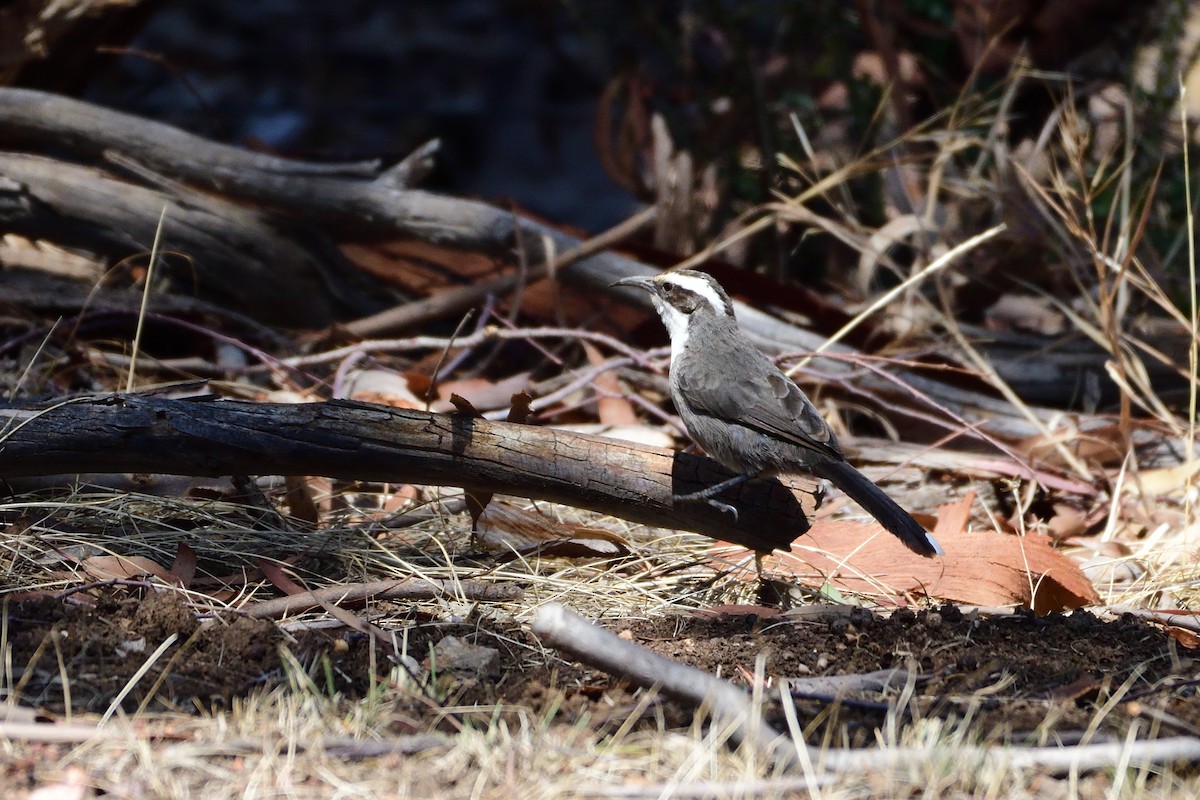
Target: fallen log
[(231, 252), (359, 441)]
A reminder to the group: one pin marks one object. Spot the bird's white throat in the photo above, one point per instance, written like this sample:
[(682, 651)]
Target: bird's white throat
[(676, 323)]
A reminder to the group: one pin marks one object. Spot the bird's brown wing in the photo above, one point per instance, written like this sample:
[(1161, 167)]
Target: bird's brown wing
[(775, 406)]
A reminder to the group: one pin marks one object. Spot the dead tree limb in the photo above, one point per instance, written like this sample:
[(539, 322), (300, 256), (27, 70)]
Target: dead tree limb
[(31, 116), (358, 441), (231, 251)]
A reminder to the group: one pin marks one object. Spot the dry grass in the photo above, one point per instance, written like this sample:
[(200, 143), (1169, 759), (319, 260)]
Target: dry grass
[(290, 740)]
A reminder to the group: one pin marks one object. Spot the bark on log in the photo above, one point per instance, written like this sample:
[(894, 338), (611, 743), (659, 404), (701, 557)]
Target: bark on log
[(231, 251), (358, 441), (24, 290)]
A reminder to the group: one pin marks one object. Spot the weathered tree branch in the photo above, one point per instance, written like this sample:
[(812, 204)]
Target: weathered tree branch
[(231, 251), (357, 441)]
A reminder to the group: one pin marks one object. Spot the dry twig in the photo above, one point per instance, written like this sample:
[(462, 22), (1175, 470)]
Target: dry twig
[(728, 705)]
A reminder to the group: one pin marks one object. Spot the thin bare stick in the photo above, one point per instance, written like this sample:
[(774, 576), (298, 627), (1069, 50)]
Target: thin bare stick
[(1187, 621), (431, 392), (488, 334), (1055, 760), (729, 706), (408, 589), (56, 733), (141, 322)]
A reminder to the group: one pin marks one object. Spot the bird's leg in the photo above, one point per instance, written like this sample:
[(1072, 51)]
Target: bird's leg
[(706, 495)]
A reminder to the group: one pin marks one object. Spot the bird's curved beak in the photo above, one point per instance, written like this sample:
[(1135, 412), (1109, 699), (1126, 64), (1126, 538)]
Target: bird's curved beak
[(637, 282)]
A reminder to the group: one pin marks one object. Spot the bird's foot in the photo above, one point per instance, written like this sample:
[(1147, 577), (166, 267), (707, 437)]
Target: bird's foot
[(719, 506), (706, 495), (699, 497)]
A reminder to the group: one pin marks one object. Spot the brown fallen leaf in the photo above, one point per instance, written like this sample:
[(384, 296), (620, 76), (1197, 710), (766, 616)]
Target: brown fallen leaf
[(952, 518), (612, 407), (1165, 480), (301, 500), (508, 528), (183, 570), (1066, 520), (110, 568), (279, 579), (1183, 637), (980, 568)]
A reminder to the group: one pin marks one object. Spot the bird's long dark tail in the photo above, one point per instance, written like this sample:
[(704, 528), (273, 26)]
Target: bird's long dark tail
[(883, 508)]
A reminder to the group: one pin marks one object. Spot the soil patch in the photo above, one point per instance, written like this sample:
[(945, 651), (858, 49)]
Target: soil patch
[(1016, 677), (102, 646)]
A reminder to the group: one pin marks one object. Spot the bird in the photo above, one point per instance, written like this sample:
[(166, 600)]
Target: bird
[(745, 412)]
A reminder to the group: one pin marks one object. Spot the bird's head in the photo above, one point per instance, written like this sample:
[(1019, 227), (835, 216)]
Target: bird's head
[(682, 297)]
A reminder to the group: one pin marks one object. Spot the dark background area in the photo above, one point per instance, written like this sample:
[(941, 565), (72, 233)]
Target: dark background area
[(509, 88), (548, 104)]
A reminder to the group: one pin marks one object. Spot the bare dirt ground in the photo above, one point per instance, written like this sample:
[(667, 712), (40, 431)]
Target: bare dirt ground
[(1020, 679)]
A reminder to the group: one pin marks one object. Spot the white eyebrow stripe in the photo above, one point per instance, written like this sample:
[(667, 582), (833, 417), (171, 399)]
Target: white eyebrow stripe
[(700, 287)]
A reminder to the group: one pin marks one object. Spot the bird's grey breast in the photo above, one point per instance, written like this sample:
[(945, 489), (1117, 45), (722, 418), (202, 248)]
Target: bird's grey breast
[(740, 408), (710, 382)]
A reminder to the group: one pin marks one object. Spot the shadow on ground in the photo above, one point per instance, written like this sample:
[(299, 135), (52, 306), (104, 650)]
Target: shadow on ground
[(1016, 677)]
